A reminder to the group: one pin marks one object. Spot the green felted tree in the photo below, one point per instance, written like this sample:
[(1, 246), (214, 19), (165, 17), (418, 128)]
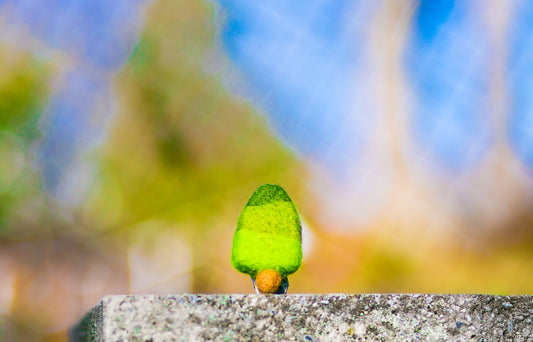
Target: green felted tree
[(267, 243)]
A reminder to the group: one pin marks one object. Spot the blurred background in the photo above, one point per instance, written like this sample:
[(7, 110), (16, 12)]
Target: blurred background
[(132, 133)]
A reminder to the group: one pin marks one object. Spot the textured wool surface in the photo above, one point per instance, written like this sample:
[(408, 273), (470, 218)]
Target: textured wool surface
[(268, 234), (268, 281)]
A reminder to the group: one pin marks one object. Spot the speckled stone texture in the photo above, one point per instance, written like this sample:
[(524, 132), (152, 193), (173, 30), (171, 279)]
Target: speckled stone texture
[(295, 317)]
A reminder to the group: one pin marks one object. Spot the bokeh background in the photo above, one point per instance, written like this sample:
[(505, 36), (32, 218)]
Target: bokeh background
[(132, 133)]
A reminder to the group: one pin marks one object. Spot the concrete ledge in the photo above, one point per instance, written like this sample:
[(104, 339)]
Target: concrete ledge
[(328, 317)]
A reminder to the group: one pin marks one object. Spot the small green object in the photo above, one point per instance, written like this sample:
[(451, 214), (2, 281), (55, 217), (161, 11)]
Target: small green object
[(268, 234)]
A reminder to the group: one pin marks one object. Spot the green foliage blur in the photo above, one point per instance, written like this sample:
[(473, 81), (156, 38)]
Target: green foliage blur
[(23, 94)]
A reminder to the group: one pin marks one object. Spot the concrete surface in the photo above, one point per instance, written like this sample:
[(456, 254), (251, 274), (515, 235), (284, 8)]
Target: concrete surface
[(295, 317)]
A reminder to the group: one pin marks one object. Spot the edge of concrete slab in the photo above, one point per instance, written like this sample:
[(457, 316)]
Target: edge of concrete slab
[(308, 317)]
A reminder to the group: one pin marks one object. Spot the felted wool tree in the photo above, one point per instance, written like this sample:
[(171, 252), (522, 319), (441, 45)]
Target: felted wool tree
[(267, 244)]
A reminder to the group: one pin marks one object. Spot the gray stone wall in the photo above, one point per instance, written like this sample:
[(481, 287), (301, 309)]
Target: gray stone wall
[(295, 317)]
